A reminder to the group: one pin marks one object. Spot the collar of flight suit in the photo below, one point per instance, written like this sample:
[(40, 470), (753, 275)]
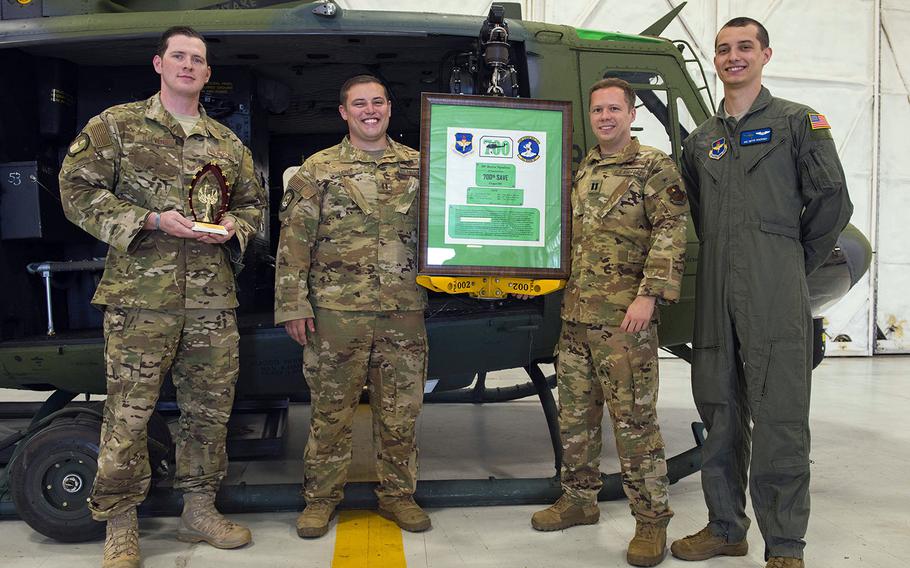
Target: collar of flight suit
[(348, 153), (624, 156), (154, 110), (761, 101)]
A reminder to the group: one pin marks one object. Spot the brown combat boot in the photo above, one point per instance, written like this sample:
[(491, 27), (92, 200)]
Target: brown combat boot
[(785, 562), (201, 522), (704, 544), (405, 513), (565, 513), (649, 545), (313, 521), (121, 547)]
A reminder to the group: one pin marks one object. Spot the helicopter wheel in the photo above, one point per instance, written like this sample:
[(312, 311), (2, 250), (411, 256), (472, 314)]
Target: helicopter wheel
[(51, 480)]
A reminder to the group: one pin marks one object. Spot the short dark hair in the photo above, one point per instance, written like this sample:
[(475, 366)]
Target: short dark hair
[(622, 84), (179, 30), (359, 80), (742, 22)]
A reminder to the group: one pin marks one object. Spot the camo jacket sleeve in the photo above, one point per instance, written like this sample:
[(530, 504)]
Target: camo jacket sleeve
[(248, 201), (88, 187), (299, 216), (667, 210)]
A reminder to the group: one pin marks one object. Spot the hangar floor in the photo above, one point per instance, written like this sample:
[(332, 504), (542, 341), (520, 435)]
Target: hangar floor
[(860, 491)]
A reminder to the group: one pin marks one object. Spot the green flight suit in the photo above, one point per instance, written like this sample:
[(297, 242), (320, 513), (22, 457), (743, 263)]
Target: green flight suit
[(768, 200)]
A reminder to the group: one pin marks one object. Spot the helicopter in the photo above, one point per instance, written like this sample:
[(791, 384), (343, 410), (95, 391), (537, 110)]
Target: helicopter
[(277, 68)]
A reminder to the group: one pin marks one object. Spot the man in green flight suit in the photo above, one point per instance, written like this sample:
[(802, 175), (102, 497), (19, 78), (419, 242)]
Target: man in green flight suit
[(768, 201), (345, 289), (168, 291), (629, 216)]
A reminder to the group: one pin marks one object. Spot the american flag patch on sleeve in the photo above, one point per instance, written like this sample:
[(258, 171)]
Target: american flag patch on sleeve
[(818, 121)]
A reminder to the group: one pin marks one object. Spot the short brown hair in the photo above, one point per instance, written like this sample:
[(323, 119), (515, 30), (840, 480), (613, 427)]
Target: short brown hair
[(359, 80), (179, 30), (621, 84), (741, 22)]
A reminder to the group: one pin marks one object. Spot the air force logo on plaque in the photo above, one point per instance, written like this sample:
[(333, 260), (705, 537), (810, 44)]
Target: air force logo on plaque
[(718, 149), (528, 148), (464, 143)]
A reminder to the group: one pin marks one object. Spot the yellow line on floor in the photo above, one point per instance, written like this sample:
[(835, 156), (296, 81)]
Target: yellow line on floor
[(363, 539)]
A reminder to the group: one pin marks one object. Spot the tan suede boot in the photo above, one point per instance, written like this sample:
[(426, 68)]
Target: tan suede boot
[(121, 547), (314, 521), (649, 545), (405, 513), (704, 544), (565, 513), (785, 562), (201, 522)]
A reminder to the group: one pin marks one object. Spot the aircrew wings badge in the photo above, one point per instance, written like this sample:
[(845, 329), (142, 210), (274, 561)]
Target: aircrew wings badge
[(818, 121), (718, 149)]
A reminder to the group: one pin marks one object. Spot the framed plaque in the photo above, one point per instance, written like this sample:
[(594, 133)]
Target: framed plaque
[(494, 186)]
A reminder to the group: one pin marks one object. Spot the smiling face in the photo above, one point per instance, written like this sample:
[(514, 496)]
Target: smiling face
[(183, 67), (367, 111), (739, 56), (611, 119)]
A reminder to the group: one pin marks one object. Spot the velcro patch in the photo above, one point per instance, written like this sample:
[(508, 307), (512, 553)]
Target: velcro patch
[(677, 195), (99, 134), (79, 144), (405, 171), (299, 184), (818, 121)]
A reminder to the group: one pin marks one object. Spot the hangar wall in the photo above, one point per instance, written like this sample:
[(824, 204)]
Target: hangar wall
[(849, 59)]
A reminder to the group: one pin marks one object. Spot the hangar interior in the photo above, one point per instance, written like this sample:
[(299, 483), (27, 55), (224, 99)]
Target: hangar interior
[(849, 59)]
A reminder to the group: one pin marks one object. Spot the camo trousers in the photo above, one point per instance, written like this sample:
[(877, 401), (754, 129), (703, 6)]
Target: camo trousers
[(597, 364), (200, 348), (389, 348)]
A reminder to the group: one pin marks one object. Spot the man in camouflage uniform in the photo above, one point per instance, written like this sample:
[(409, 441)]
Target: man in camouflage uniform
[(168, 291), (345, 289), (769, 200), (629, 217)]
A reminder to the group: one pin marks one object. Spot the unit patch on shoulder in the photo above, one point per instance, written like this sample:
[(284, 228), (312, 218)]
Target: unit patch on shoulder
[(718, 149), (760, 136), (79, 144), (286, 200), (677, 195), (818, 121)]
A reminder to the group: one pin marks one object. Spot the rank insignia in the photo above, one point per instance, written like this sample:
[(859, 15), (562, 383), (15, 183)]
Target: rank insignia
[(464, 143), (78, 145), (718, 149), (677, 195), (818, 121)]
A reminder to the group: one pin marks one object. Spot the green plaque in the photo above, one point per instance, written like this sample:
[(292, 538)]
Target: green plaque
[(495, 196), (494, 223), (495, 175)]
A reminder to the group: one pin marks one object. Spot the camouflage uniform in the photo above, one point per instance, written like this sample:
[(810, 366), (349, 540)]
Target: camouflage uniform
[(348, 249), (168, 300), (628, 239)]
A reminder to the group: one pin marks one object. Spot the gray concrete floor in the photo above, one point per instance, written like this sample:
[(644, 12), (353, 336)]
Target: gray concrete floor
[(860, 488)]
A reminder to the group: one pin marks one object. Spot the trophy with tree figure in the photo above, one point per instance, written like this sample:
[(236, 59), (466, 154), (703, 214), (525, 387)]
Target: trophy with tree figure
[(209, 197)]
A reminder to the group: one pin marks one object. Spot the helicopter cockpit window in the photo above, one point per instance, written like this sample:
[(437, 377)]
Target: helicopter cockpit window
[(652, 120)]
